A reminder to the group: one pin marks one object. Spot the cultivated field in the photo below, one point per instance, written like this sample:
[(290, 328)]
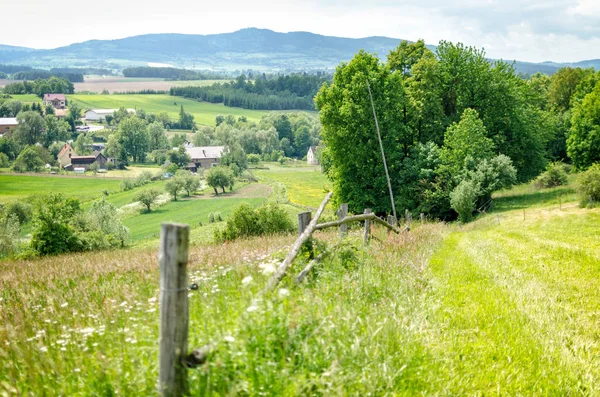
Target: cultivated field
[(127, 84), (204, 112)]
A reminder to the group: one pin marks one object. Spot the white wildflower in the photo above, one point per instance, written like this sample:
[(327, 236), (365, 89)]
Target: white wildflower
[(43, 349), (151, 300), (267, 268), (124, 303), (229, 339), (252, 308), (283, 292), (64, 304), (247, 280)]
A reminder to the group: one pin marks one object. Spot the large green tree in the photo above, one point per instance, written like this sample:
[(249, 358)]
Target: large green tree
[(133, 137), (31, 128), (583, 144)]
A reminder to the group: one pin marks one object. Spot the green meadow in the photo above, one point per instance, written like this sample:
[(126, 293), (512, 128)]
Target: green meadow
[(204, 112)]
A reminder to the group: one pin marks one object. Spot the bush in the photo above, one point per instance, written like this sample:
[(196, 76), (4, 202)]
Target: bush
[(211, 218), (127, 184), (9, 233), (3, 160), (463, 199), (110, 166), (22, 211), (588, 186), (246, 222), (143, 178), (555, 175), (218, 217)]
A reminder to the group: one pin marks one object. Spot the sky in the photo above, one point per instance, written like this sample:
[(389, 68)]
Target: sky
[(525, 30)]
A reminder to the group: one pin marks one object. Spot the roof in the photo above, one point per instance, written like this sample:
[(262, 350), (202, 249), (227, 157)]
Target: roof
[(82, 159), (107, 111), (313, 149), (205, 152), (64, 150), (52, 97), (8, 121)]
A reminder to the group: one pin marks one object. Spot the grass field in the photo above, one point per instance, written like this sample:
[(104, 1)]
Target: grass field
[(306, 185), (127, 84), (506, 305), (28, 98), (204, 112)]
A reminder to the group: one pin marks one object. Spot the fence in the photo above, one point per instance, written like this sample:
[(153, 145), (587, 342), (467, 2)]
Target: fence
[(173, 257)]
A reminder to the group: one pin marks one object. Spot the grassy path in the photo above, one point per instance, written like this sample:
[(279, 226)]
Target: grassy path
[(519, 305)]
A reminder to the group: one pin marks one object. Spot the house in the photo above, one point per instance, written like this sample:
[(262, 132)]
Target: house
[(58, 101), (204, 156), (65, 154), (7, 124), (100, 114), (311, 156), (68, 159)]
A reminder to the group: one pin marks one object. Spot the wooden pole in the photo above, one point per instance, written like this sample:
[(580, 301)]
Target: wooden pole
[(358, 218), (422, 217), (173, 257), (367, 227), (303, 221), (392, 221), (342, 213), (282, 269), (387, 174), (408, 218)]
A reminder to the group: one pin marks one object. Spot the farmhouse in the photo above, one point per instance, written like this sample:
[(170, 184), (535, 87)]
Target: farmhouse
[(100, 114), (58, 101), (311, 156), (204, 156), (7, 124), (68, 159)]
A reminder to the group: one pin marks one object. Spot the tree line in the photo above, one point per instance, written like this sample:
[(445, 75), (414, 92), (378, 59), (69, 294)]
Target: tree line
[(454, 126), (40, 87), (294, 91), (170, 73)]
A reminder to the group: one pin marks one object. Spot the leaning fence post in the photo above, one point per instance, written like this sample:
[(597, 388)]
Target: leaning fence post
[(342, 213), (408, 217), (367, 226), (173, 257), (391, 219), (422, 217)]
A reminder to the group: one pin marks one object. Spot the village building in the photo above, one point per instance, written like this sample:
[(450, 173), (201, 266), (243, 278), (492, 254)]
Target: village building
[(204, 156), (100, 114), (7, 124), (57, 101), (311, 156), (69, 160)]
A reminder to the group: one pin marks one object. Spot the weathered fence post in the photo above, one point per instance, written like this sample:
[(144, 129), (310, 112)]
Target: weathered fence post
[(422, 217), (303, 221), (367, 226), (342, 213), (391, 219), (173, 257), (408, 217)]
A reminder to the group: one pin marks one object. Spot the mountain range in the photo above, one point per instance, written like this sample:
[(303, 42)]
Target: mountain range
[(252, 48)]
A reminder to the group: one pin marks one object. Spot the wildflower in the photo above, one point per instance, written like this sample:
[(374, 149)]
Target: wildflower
[(251, 309), (283, 292), (267, 268), (43, 349), (229, 339), (151, 300), (64, 304), (247, 280)]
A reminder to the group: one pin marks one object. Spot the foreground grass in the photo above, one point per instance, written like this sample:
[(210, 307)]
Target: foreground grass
[(204, 112)]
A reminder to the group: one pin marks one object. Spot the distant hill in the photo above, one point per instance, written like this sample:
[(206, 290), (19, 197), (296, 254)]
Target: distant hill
[(252, 48)]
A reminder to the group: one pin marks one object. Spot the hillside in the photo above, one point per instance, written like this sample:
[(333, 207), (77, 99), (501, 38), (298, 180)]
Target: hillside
[(252, 48)]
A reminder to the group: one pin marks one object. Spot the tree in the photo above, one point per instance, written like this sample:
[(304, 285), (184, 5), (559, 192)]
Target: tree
[(191, 183), (133, 137), (157, 138), (463, 198), (147, 197), (31, 128), (186, 120), (174, 186), (57, 130), (180, 157), (406, 55), (73, 115), (28, 160), (53, 232), (219, 177), (562, 87), (83, 144), (583, 143)]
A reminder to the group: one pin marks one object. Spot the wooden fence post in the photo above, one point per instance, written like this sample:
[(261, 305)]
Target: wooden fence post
[(173, 257), (342, 213), (304, 219), (391, 219), (422, 217), (408, 217), (367, 226)]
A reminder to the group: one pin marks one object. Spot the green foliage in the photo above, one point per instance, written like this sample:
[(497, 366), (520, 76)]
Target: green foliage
[(180, 157), (175, 185), (9, 232), (3, 160), (191, 182), (219, 177), (19, 209), (588, 186), (31, 128), (253, 158), (133, 137), (83, 145), (53, 232), (463, 199), (147, 197), (246, 221), (583, 143), (555, 175), (29, 160), (127, 184)]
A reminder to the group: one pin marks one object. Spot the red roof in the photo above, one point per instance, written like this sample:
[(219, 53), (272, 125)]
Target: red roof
[(51, 97), (65, 149)]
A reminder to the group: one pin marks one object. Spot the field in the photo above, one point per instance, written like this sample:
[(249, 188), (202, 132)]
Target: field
[(505, 305), (204, 112), (28, 98), (124, 84)]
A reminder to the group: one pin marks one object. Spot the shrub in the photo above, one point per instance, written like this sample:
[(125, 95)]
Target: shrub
[(463, 198), (143, 178), (3, 160), (246, 222), (53, 232), (218, 217), (588, 186), (175, 185), (211, 218), (9, 233), (555, 175), (127, 184), (22, 211), (110, 166)]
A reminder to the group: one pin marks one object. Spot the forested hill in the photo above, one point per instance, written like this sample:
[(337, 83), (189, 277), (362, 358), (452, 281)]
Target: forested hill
[(258, 49)]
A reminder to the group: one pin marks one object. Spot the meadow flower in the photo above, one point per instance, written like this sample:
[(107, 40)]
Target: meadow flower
[(267, 268), (247, 280), (43, 349), (229, 339), (252, 308), (283, 292), (64, 304)]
